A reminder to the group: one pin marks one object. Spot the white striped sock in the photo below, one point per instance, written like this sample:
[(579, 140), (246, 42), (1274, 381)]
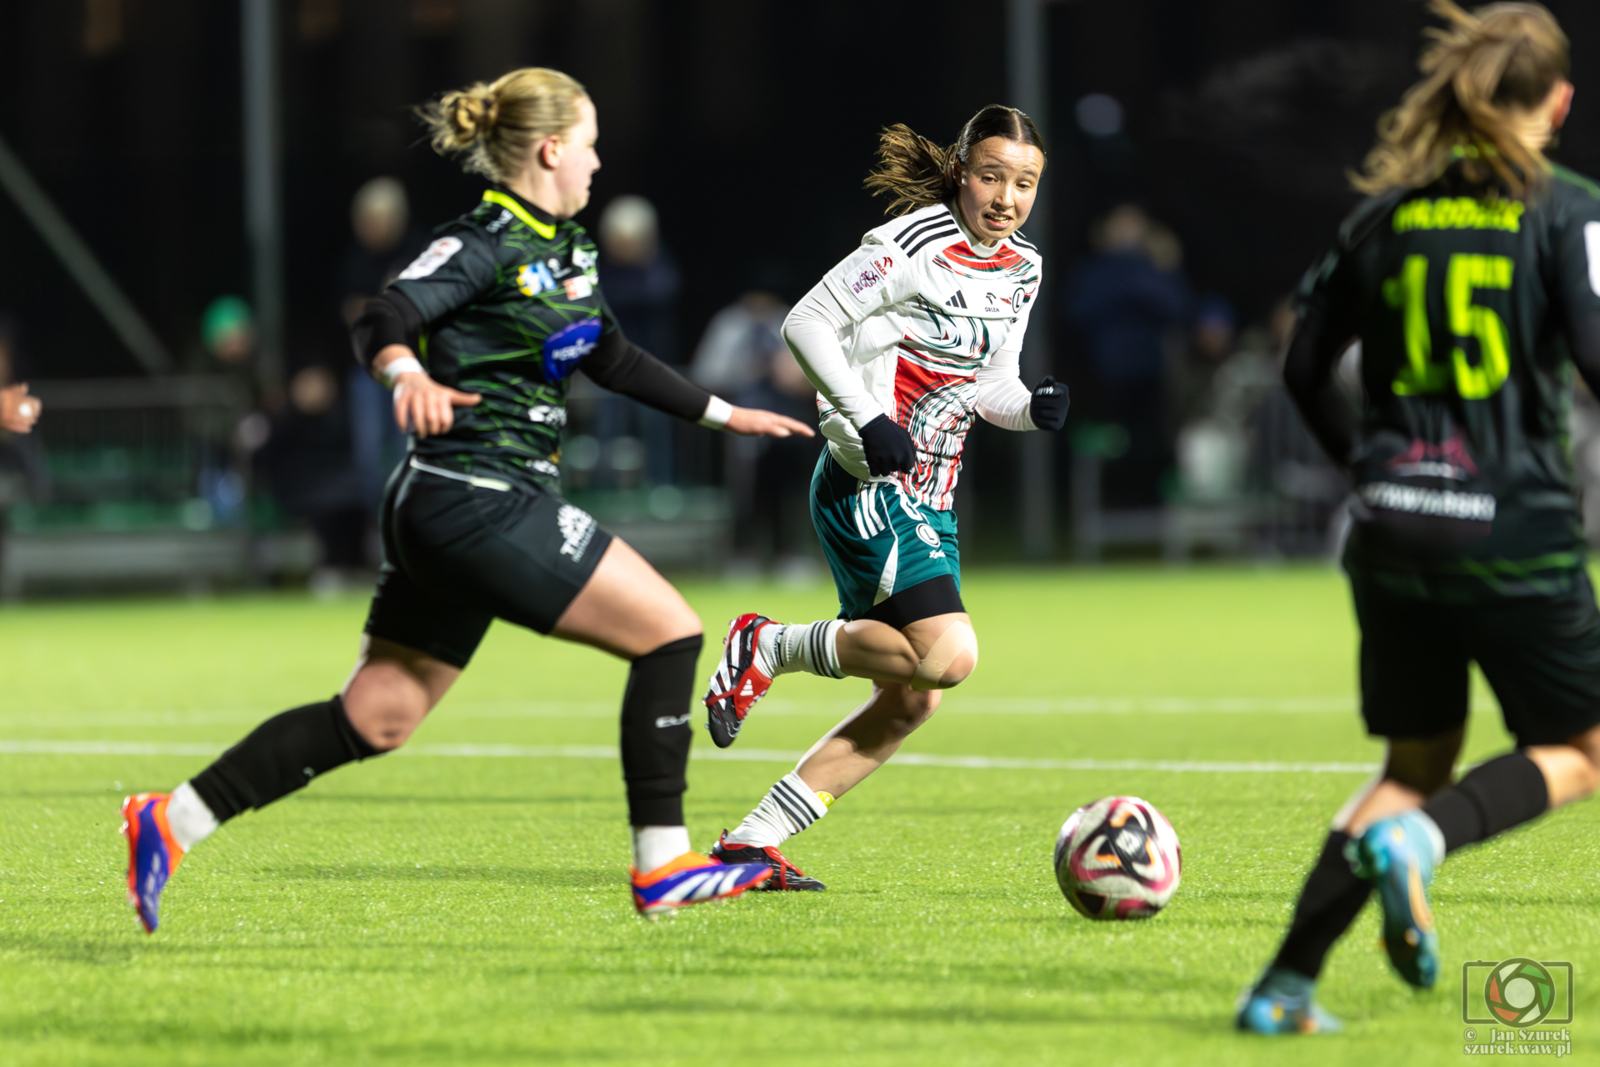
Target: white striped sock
[(808, 646), (789, 807)]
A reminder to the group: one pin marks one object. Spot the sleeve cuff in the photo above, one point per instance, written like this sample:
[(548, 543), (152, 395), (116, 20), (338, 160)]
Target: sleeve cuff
[(718, 412)]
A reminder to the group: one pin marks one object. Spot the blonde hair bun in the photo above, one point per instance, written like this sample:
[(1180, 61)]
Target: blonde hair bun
[(472, 115)]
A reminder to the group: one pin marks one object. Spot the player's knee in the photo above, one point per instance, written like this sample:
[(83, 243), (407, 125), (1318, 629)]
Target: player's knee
[(1586, 777), (949, 660), (385, 729), (675, 623), (385, 703)]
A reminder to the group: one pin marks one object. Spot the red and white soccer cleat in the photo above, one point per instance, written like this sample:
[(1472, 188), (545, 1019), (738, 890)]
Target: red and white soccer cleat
[(739, 680), (692, 879), (785, 875)]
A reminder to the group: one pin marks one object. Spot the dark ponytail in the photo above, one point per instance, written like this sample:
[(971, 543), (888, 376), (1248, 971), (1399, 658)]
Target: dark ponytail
[(918, 173)]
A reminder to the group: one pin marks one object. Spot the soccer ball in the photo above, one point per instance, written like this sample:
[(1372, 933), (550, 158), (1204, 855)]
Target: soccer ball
[(1118, 858)]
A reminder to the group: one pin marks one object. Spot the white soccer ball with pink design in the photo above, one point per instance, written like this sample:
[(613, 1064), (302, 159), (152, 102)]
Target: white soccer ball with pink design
[(1118, 858)]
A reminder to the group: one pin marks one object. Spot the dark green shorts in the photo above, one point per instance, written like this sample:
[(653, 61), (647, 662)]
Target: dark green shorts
[(882, 544), (1541, 656), (459, 553)]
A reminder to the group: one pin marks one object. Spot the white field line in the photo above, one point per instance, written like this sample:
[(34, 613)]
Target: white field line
[(607, 709), (747, 755)]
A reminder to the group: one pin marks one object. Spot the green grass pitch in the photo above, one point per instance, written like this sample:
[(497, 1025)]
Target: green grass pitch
[(439, 909)]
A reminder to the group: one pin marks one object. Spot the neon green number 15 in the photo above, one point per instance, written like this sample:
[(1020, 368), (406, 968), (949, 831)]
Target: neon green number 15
[(1465, 274)]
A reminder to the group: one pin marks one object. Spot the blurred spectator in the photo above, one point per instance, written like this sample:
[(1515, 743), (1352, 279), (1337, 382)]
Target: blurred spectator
[(1211, 344), (1227, 383), (228, 331), (1287, 463), (641, 284), (309, 465), (385, 243), (639, 277), (743, 358), (1126, 300)]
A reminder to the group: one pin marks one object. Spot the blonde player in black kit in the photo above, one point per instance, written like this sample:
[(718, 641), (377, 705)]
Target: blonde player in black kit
[(1471, 277), (503, 306)]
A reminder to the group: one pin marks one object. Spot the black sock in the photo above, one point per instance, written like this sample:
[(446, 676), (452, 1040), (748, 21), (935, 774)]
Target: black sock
[(1506, 791), (279, 756), (656, 734), (1332, 898)]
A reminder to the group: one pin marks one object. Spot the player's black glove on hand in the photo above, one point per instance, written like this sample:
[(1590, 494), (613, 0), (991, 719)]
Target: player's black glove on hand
[(888, 446), (1048, 408)]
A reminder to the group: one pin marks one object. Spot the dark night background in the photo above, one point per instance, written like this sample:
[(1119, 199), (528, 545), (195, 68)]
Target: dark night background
[(749, 124)]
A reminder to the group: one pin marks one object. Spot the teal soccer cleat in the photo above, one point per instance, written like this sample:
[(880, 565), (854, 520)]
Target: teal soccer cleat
[(1398, 855), (1281, 1003)]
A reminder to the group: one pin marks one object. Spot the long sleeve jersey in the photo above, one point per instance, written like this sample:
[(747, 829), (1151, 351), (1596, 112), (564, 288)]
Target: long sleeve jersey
[(509, 307), (1471, 311), (925, 325)]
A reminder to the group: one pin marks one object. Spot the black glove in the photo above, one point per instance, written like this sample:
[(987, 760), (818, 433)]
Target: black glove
[(888, 447), (1048, 408)]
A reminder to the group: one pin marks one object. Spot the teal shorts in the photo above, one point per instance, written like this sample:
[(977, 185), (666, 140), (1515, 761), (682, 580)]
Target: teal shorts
[(879, 542)]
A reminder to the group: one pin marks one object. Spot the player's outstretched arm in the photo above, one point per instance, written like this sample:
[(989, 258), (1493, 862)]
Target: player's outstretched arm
[(755, 422)]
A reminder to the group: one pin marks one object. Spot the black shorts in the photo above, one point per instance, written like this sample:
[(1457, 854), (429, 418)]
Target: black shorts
[(1541, 656), (460, 553)]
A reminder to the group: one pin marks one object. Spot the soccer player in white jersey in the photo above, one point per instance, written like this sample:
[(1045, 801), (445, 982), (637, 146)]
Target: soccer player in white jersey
[(905, 339)]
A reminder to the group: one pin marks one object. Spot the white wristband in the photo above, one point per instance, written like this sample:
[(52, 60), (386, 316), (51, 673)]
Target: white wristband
[(396, 367), (718, 412)]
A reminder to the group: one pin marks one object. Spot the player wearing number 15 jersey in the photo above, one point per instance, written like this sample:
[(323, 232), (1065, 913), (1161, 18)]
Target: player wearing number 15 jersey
[(1471, 279)]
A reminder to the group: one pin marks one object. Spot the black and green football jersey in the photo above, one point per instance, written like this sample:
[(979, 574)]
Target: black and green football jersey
[(510, 305), (1465, 307)]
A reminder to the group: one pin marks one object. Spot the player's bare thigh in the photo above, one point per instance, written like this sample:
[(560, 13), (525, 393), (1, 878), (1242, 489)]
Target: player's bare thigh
[(627, 608)]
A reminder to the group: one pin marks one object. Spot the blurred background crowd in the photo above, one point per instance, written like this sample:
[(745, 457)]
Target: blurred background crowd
[(1198, 151)]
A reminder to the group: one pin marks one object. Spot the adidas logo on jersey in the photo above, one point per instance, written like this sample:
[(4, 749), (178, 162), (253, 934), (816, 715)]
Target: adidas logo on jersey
[(957, 301)]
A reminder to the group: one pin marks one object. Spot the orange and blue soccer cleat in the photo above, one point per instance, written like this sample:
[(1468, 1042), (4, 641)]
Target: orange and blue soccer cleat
[(152, 854), (1398, 855), (693, 879), (739, 681), (1283, 1002)]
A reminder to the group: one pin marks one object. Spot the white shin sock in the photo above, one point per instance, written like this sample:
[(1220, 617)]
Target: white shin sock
[(191, 821), (789, 807), (656, 845)]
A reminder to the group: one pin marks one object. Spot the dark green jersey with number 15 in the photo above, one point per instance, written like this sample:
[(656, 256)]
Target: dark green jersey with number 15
[(1465, 307)]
